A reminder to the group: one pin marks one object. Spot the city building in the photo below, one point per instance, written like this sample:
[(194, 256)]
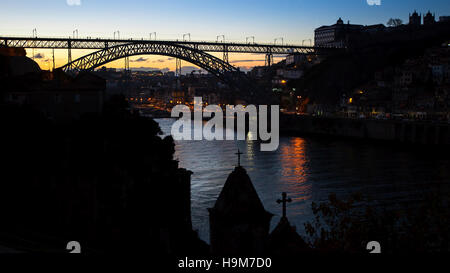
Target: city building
[(374, 28), (415, 19), (334, 35), (295, 59), (258, 71), (444, 19), (338, 35), (429, 19), (289, 73), (55, 94)]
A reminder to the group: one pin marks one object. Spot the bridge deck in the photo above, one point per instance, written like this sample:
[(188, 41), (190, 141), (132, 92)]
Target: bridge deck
[(99, 43)]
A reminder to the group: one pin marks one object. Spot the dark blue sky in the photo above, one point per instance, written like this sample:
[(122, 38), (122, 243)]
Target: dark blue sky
[(204, 19), (294, 20)]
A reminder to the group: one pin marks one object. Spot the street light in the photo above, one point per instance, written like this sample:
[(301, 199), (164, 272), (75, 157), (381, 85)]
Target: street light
[(34, 36), (276, 39), (188, 35), (310, 42), (220, 36)]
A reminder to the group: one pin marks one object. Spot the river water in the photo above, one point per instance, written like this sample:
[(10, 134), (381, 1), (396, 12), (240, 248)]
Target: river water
[(309, 169)]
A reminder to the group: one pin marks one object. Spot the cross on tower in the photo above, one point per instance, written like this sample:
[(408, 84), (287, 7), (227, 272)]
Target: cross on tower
[(284, 200), (239, 157)]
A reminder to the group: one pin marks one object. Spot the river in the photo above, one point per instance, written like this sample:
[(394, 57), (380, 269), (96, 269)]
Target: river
[(309, 169)]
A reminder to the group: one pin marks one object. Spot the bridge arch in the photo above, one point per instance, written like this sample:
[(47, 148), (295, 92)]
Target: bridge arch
[(223, 70)]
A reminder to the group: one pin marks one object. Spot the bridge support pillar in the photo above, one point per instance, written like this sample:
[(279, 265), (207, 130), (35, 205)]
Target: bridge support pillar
[(127, 72), (69, 52), (225, 54), (127, 64), (53, 57), (178, 67), (269, 59)]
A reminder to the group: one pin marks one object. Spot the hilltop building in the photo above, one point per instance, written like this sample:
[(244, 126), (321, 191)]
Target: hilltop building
[(443, 19), (338, 35), (415, 19), (429, 19), (334, 35)]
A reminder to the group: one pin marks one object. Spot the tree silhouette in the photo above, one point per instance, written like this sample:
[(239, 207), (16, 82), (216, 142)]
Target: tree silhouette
[(394, 22)]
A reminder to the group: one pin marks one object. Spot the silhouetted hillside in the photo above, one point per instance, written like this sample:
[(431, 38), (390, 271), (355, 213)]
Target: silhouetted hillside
[(326, 82), (108, 181)]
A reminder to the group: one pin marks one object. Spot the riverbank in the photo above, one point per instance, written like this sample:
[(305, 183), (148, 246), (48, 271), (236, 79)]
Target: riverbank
[(410, 132), (309, 169), (397, 131)]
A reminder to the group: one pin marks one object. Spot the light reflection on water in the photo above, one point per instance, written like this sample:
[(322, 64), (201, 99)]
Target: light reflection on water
[(308, 170)]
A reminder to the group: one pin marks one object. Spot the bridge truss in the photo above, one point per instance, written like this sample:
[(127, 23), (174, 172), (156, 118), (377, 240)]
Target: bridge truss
[(212, 64), (68, 43), (191, 51)]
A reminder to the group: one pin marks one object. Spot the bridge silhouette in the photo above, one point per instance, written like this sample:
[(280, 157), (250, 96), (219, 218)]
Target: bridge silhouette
[(195, 52)]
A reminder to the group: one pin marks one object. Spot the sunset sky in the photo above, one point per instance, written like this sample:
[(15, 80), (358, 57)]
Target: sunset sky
[(294, 20)]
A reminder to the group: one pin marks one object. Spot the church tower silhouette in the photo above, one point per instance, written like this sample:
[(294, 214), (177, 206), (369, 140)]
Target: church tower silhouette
[(284, 240), (239, 224)]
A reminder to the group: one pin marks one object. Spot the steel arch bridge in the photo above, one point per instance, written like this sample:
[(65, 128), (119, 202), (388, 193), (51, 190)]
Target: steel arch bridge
[(101, 43), (223, 70)]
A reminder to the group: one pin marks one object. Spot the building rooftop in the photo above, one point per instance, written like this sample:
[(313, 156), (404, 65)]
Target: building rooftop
[(18, 65), (285, 240), (238, 197)]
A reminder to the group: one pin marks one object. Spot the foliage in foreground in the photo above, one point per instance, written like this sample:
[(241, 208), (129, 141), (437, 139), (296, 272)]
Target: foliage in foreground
[(347, 226)]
